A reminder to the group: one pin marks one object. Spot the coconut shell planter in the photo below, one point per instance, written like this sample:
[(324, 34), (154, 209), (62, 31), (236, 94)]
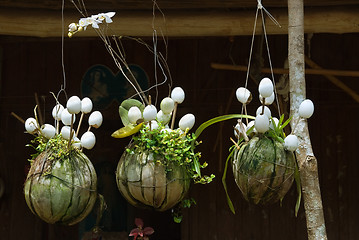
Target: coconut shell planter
[(157, 167), (263, 157), (61, 184)]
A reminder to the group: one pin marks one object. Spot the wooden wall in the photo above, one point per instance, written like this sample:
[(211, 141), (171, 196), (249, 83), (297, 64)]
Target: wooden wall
[(34, 65)]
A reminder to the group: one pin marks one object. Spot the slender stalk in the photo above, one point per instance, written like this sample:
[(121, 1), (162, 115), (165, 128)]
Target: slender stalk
[(80, 121), (174, 115), (307, 162), (71, 128)]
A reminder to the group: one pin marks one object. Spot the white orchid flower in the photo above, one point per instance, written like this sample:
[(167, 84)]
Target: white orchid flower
[(106, 16), (72, 27)]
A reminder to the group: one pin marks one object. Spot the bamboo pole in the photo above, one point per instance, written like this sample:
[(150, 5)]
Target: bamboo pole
[(180, 23), (334, 80), (313, 71), (307, 162)]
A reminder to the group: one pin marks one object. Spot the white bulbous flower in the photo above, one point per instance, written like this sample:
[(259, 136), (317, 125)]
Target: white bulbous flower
[(31, 125), (265, 87), (238, 130), (154, 124), (48, 131), (251, 124), (187, 122), (167, 105), (178, 95), (266, 111), (86, 105), (306, 109), (149, 113), (273, 123), (88, 140), (66, 117), (167, 130), (56, 111), (267, 100), (73, 105), (243, 95), (163, 118), (291, 142), (261, 123), (65, 132), (95, 119), (134, 114), (76, 143)]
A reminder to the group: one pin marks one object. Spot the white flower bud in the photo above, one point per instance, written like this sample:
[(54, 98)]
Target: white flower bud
[(261, 123), (95, 119), (266, 111), (66, 117), (243, 95), (306, 109), (238, 129), (76, 143), (251, 124), (86, 105), (56, 111), (134, 114), (187, 121), (163, 118), (65, 132), (88, 140), (267, 100), (265, 87), (167, 105), (273, 122), (154, 124), (149, 113), (291, 143), (31, 125), (178, 95), (48, 131), (73, 105)]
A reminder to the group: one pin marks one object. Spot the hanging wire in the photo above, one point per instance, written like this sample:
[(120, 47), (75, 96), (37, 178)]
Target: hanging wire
[(63, 86), (267, 45), (261, 8)]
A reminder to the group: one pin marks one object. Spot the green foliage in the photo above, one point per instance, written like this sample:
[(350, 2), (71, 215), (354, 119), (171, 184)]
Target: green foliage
[(177, 211), (174, 146), (57, 144)]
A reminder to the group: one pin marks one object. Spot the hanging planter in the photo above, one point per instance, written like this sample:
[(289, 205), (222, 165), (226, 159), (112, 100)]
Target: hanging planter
[(262, 157), (61, 184), (145, 181), (157, 167), (263, 170)]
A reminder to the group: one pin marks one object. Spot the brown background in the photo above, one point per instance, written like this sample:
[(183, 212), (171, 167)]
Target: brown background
[(30, 65)]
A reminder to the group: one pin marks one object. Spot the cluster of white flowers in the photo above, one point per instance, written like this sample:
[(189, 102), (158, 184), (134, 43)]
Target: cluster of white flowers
[(67, 116), (264, 120), (94, 20), (168, 105)]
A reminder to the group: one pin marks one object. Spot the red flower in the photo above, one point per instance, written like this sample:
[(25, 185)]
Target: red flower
[(141, 232)]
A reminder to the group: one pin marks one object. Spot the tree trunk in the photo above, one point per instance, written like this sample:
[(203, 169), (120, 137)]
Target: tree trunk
[(306, 160)]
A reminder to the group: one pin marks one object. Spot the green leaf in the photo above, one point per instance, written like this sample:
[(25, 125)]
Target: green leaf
[(197, 166), (212, 121), (299, 189), (229, 201), (125, 106), (127, 131), (285, 123)]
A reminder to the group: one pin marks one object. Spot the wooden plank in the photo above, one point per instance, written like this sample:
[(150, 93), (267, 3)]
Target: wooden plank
[(165, 4), (41, 23)]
